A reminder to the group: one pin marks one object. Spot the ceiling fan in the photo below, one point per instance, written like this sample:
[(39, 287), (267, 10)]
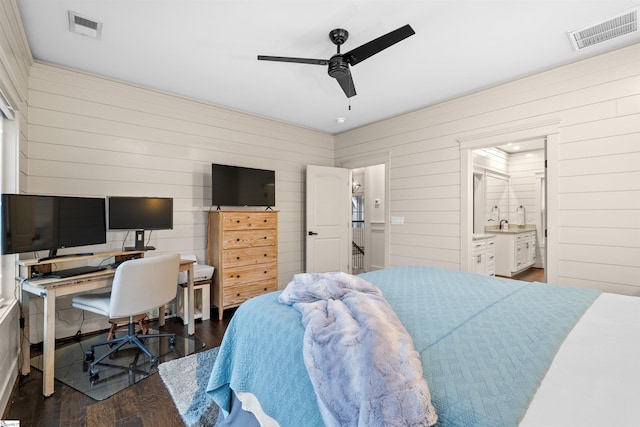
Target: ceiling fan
[(340, 62)]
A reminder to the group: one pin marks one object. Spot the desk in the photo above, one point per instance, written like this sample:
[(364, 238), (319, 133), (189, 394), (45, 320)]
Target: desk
[(51, 288)]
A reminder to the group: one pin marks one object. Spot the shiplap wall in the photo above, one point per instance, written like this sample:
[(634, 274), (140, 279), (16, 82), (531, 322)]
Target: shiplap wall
[(15, 59), (95, 137), (492, 159), (597, 221), (90, 136)]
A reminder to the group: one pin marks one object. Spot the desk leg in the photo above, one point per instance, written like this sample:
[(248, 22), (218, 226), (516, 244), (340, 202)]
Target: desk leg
[(191, 329), (26, 344), (49, 342), (161, 316)]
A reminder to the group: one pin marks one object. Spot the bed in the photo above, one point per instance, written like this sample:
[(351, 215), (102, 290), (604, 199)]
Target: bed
[(494, 352)]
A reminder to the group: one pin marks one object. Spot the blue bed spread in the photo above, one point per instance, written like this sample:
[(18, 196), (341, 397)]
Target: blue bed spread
[(485, 344)]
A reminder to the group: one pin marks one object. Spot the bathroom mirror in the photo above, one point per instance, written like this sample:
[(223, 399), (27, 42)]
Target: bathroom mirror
[(496, 207), (491, 194)]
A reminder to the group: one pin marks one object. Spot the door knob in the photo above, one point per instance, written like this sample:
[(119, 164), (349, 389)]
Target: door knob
[(311, 233)]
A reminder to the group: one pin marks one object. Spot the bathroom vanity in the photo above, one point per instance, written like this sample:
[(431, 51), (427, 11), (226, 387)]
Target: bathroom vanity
[(515, 249), (484, 256)]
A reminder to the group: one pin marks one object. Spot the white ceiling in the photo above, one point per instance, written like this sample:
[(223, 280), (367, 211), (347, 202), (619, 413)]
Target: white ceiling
[(522, 146), (207, 49)]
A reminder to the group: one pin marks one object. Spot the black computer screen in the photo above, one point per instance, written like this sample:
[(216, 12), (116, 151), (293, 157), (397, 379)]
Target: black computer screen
[(140, 213), (35, 222)]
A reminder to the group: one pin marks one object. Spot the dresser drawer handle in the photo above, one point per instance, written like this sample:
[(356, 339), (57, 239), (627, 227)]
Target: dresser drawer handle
[(265, 220), (265, 289), (238, 276), (238, 294), (265, 237), (266, 254), (237, 257), (237, 221), (237, 240), (265, 272)]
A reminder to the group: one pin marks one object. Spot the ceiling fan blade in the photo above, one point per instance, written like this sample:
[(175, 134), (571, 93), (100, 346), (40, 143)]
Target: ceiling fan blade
[(369, 49), (297, 60), (346, 83)]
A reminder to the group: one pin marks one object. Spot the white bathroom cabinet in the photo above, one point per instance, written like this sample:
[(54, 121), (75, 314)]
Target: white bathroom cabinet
[(484, 255), (515, 252)]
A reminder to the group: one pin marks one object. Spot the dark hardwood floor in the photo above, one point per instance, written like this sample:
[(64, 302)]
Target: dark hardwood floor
[(147, 403)]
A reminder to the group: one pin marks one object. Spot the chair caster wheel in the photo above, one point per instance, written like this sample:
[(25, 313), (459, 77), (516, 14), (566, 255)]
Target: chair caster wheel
[(172, 341), (89, 356), (153, 361), (93, 375)]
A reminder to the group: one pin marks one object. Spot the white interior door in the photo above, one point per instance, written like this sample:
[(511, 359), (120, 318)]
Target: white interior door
[(328, 219)]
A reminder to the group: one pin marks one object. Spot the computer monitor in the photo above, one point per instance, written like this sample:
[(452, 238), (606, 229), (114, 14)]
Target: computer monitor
[(140, 214), (31, 223)]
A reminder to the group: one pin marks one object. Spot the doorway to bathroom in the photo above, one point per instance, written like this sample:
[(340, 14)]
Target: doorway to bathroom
[(547, 130), (509, 198)]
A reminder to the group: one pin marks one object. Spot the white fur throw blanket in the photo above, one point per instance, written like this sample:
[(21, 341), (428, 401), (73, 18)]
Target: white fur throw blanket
[(360, 358)]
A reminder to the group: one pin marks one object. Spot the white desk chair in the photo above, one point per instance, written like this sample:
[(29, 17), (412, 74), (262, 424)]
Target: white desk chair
[(139, 286)]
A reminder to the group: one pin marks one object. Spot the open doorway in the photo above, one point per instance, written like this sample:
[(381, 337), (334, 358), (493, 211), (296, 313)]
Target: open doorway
[(509, 204), (369, 218), (547, 130), (357, 221)]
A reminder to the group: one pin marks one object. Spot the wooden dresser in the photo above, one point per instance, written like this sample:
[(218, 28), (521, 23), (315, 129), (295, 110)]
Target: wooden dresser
[(243, 248)]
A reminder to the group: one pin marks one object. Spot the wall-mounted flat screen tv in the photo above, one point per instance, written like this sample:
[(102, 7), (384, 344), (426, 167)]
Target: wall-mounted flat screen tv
[(32, 223), (240, 186)]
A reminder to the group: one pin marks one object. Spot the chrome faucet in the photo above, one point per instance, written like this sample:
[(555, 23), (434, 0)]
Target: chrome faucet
[(504, 224)]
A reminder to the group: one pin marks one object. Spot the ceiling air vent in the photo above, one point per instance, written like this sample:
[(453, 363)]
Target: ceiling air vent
[(624, 23), (85, 26)]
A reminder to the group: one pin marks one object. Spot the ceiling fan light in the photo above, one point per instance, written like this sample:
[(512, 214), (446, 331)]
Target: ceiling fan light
[(338, 67), (338, 64)]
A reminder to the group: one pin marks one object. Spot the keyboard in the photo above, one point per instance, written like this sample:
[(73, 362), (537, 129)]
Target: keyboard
[(76, 271)]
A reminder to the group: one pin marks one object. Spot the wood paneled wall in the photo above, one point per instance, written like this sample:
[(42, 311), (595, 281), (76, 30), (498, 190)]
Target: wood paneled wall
[(595, 232), (91, 136), (15, 60)]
